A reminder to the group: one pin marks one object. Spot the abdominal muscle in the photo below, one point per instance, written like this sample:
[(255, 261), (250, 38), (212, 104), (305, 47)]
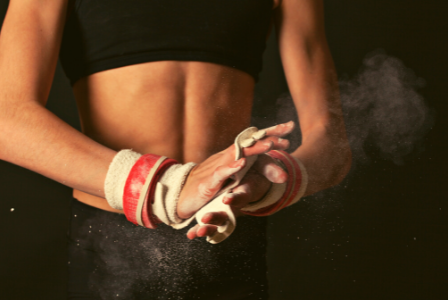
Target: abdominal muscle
[(182, 110)]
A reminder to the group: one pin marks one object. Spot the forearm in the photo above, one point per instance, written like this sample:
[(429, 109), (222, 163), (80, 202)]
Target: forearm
[(30, 135), (312, 81), (34, 138), (325, 150), (326, 157)]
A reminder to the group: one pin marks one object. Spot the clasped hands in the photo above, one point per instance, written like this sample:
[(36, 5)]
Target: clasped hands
[(209, 177)]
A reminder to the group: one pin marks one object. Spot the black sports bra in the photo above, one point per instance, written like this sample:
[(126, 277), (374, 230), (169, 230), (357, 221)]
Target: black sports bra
[(106, 34)]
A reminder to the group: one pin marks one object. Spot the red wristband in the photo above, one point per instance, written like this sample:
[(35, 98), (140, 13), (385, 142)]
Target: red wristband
[(148, 218), (139, 189)]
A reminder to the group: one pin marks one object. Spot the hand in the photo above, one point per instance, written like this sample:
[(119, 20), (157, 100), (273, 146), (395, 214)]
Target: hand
[(253, 186), (207, 178)]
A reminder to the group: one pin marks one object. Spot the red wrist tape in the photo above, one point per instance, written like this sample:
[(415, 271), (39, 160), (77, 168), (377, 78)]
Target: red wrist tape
[(292, 186), (139, 189)]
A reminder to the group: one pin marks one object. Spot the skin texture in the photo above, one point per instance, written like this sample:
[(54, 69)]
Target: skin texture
[(189, 111)]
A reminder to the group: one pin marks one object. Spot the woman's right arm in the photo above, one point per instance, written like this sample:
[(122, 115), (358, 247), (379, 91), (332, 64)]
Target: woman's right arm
[(30, 135)]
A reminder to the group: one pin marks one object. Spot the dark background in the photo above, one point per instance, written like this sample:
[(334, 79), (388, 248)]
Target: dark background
[(385, 235)]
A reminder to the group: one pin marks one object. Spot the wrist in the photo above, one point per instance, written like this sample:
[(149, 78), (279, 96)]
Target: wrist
[(130, 184), (147, 188), (281, 195), (167, 194), (327, 158)]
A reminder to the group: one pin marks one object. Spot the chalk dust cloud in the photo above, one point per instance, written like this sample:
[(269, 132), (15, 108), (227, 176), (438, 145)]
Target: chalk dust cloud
[(382, 109)]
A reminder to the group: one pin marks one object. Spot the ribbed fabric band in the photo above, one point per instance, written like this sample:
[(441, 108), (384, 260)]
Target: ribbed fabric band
[(116, 177)]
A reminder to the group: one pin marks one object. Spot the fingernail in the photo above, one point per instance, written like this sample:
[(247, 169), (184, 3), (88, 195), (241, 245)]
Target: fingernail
[(206, 218), (284, 142), (228, 198), (268, 144)]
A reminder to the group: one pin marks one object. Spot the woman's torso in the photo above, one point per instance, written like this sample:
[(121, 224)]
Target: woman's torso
[(183, 110), (186, 110)]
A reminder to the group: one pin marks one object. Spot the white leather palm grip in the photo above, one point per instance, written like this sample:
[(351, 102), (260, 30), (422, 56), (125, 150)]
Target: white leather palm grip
[(246, 138)]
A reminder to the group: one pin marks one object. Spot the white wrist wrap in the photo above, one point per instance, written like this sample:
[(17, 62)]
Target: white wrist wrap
[(167, 195), (116, 177), (167, 190)]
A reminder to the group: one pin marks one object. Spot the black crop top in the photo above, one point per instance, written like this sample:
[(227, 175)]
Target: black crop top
[(106, 34)]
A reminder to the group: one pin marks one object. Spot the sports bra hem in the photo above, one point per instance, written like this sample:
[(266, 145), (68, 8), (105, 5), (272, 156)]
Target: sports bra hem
[(138, 58)]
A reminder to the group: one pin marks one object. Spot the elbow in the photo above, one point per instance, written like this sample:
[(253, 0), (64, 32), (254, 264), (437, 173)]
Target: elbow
[(329, 173)]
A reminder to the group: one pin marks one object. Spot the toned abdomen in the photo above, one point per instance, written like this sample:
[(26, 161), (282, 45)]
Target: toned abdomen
[(183, 110)]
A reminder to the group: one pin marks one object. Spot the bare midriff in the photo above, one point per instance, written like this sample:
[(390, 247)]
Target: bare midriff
[(182, 110)]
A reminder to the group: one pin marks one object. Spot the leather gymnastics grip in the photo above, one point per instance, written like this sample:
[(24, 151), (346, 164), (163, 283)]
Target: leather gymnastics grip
[(246, 138)]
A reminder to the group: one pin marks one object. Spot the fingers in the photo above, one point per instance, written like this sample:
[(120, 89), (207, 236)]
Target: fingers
[(252, 188), (193, 232), (279, 143), (209, 188), (266, 166), (211, 220), (201, 231), (260, 147), (240, 196), (280, 129), (271, 141), (215, 218), (265, 145)]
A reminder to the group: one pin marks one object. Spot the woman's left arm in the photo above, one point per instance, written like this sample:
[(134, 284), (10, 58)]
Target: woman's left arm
[(312, 81), (313, 85)]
